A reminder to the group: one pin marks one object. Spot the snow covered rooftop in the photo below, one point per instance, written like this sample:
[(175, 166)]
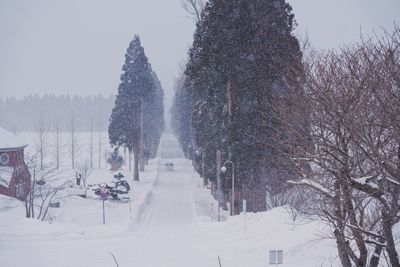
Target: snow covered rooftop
[(10, 140), (6, 175)]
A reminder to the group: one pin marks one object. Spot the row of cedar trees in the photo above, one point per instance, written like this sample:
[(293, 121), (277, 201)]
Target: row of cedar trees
[(318, 128), (137, 120), (243, 56)]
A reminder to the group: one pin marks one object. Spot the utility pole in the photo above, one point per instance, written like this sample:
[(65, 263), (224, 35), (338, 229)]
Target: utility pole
[(219, 184), (202, 169)]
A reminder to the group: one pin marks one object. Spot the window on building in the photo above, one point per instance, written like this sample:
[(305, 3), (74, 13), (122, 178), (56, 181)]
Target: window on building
[(19, 188), (4, 159)]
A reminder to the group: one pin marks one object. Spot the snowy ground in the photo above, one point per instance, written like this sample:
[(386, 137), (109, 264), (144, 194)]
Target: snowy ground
[(172, 225)]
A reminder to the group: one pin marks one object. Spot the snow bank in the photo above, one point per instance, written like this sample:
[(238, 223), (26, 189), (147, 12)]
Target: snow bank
[(246, 240), (79, 217)]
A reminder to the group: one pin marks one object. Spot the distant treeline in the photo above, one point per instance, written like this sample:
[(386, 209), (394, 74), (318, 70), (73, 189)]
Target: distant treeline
[(34, 111)]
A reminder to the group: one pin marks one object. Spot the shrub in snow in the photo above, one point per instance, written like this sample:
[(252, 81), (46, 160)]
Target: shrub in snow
[(115, 160)]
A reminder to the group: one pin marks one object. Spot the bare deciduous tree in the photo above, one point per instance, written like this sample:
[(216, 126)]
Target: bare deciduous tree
[(57, 145), (351, 101), (85, 169), (41, 141), (91, 143), (194, 8), (72, 132), (44, 188), (100, 138)]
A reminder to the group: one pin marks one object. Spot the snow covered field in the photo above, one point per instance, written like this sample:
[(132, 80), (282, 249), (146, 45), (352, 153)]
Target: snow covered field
[(172, 224)]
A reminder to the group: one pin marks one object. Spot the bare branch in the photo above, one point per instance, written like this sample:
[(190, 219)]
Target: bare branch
[(194, 8)]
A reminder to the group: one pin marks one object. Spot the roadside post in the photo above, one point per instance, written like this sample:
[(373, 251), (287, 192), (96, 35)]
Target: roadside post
[(245, 215), (130, 208), (212, 210), (104, 213), (104, 194)]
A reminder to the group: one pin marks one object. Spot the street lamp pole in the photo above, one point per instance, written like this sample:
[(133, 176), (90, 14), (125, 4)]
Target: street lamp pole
[(191, 154), (223, 169)]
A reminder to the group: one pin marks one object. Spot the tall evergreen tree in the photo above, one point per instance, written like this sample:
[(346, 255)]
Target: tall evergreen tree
[(136, 90), (153, 120), (243, 59)]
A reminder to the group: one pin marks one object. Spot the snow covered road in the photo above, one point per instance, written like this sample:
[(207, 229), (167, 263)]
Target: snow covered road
[(167, 229), (172, 207)]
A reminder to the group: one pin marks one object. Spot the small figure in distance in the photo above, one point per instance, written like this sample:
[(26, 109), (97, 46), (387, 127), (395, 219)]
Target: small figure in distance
[(169, 166)]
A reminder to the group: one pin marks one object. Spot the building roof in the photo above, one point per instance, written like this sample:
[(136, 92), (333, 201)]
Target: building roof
[(9, 141)]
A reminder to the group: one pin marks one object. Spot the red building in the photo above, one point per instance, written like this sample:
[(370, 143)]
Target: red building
[(15, 178)]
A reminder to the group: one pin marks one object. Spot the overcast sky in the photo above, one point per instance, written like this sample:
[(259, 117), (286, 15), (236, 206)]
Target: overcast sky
[(78, 46)]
